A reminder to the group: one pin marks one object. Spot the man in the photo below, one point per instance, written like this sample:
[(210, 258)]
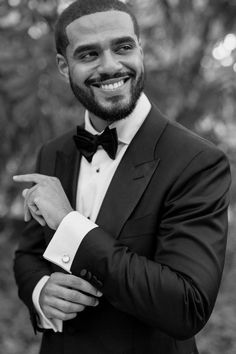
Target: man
[(125, 239)]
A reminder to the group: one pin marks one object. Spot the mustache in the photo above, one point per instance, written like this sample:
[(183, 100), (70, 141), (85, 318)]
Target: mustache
[(105, 77)]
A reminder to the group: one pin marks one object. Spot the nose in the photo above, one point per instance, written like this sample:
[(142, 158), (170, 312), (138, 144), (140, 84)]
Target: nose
[(109, 63)]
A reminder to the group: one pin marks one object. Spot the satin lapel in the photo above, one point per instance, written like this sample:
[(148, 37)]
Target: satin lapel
[(132, 175), (67, 169)]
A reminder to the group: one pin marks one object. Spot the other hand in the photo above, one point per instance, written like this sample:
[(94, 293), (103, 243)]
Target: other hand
[(46, 201), (64, 295)]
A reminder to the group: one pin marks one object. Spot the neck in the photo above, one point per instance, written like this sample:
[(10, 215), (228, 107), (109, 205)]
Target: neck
[(98, 123)]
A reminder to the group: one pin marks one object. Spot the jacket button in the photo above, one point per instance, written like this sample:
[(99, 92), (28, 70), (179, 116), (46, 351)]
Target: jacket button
[(97, 283), (83, 273)]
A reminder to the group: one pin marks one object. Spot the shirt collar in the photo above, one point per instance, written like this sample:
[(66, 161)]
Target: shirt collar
[(129, 126)]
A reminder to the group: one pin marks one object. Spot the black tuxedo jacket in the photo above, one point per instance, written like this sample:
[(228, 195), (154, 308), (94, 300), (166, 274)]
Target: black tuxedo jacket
[(158, 252)]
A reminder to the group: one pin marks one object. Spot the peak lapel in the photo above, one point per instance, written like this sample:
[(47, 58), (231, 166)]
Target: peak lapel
[(132, 175)]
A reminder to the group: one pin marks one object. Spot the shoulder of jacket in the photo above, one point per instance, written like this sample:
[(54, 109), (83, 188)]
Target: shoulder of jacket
[(57, 143)]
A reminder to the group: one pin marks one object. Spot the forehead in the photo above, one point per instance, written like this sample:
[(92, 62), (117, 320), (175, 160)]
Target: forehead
[(100, 26)]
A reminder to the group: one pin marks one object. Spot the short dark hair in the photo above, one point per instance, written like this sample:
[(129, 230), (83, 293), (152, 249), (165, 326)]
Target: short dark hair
[(81, 8)]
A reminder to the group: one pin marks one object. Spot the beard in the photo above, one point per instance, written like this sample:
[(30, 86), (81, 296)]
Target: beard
[(118, 110)]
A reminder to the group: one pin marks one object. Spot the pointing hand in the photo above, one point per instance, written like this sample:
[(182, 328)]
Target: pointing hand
[(46, 201)]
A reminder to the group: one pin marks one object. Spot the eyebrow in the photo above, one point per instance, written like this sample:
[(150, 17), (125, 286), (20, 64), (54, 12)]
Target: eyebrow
[(92, 46), (123, 40)]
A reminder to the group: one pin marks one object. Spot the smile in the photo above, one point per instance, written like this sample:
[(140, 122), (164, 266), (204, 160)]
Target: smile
[(112, 87), (112, 84)]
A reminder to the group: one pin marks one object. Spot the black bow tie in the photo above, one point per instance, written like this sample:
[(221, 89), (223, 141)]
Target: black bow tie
[(88, 143)]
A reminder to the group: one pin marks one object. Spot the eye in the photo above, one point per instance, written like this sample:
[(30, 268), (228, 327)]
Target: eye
[(124, 48), (88, 56)]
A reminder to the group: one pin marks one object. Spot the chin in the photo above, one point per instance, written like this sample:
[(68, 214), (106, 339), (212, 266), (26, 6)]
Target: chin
[(114, 114), (116, 100)]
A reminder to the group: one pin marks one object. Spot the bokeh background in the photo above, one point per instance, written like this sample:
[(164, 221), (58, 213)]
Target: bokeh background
[(190, 56)]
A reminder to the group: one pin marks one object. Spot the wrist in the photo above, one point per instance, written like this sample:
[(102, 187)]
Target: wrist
[(63, 214)]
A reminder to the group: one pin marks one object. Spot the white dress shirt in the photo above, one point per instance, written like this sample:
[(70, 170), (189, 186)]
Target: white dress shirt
[(93, 182)]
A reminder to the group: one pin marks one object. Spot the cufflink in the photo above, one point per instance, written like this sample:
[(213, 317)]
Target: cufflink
[(66, 258)]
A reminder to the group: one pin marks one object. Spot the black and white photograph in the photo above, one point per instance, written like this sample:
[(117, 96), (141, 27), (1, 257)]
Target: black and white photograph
[(117, 185)]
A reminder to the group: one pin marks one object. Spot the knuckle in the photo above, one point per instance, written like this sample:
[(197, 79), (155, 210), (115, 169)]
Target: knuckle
[(63, 307), (74, 296), (55, 276), (69, 281), (25, 192), (46, 290), (72, 281), (47, 287), (36, 199), (63, 294), (79, 282), (68, 307), (46, 310)]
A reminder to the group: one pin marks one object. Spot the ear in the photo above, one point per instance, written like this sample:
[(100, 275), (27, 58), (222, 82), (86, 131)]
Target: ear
[(63, 66), (140, 47)]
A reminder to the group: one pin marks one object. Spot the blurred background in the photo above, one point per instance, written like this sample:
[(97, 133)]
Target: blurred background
[(190, 56)]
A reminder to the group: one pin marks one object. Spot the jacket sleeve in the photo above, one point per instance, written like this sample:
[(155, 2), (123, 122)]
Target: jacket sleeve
[(175, 290), (29, 265)]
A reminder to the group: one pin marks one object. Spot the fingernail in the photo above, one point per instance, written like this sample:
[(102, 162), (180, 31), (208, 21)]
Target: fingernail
[(99, 293), (96, 303)]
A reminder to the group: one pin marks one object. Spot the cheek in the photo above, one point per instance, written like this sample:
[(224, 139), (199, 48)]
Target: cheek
[(79, 74), (139, 65), (78, 77), (135, 64)]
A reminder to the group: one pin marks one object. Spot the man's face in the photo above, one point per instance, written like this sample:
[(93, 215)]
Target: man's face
[(105, 63)]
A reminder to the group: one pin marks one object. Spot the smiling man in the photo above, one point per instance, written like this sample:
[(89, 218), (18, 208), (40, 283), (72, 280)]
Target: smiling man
[(124, 245), (104, 64)]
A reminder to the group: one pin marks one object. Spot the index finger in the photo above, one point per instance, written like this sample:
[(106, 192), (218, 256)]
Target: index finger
[(31, 177), (82, 285)]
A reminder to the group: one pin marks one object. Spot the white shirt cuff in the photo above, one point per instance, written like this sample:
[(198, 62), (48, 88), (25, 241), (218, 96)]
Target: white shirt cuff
[(44, 322), (63, 246)]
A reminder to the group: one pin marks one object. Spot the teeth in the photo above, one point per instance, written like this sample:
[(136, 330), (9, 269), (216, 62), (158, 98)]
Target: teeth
[(114, 86)]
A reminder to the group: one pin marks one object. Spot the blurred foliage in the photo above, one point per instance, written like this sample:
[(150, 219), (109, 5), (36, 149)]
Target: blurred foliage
[(190, 58)]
